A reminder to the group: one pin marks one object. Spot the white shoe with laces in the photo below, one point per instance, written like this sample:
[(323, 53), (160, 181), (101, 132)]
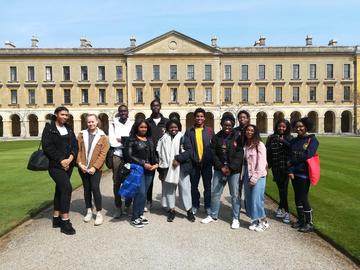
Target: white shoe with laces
[(235, 224), (253, 225), (88, 215), (99, 219), (208, 220)]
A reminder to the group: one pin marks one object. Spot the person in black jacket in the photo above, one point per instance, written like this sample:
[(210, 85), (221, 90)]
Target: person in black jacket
[(140, 150), (228, 155), (277, 149), (60, 146)]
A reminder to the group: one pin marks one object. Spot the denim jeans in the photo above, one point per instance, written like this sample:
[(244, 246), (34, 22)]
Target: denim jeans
[(254, 196), (218, 188), (140, 198)]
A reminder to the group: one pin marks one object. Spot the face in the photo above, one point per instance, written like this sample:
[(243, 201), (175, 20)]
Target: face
[(227, 127), (62, 117), (243, 119), (300, 129), (92, 123), (199, 119), (123, 113), (142, 129), (249, 133), (173, 129), (156, 107), (281, 129)]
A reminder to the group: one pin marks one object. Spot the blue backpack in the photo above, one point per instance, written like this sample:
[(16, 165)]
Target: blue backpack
[(131, 185)]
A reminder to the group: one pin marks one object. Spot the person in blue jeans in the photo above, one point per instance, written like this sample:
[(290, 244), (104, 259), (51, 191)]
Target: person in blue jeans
[(227, 152), (140, 150), (254, 178)]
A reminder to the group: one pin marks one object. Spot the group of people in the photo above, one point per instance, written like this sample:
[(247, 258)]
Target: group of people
[(234, 155)]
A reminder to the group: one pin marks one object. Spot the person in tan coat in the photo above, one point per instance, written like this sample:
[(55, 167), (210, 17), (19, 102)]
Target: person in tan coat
[(93, 146)]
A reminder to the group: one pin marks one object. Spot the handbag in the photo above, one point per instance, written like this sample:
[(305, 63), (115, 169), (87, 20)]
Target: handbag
[(109, 158), (313, 164), (38, 161), (130, 187)]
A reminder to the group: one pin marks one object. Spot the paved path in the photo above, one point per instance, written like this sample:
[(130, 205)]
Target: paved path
[(162, 245)]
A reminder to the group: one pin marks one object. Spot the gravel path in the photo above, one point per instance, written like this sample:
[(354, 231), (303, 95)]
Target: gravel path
[(162, 245)]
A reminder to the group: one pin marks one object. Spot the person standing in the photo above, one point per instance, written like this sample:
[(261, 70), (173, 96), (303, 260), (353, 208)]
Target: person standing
[(200, 137), (302, 147), (243, 119), (118, 134), (157, 124), (93, 146), (277, 149), (60, 146)]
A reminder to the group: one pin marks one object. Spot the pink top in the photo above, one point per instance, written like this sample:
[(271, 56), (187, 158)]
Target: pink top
[(256, 160)]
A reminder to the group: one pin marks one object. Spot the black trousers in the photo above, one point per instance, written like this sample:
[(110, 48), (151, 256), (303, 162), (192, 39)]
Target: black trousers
[(118, 179), (91, 184), (206, 173), (282, 182), (301, 189), (63, 189)]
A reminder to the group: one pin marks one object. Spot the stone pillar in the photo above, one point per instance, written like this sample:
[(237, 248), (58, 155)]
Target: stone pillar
[(41, 126), (24, 129), (253, 120), (7, 128), (216, 124), (270, 124), (338, 124), (77, 126), (183, 124), (321, 125)]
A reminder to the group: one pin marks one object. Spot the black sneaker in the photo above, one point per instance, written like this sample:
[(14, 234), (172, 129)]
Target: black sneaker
[(144, 220), (67, 228), (190, 216), (171, 216), (137, 223), (56, 222)]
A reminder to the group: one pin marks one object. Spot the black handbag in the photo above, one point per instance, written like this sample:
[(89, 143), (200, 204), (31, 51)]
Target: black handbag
[(109, 158), (38, 161)]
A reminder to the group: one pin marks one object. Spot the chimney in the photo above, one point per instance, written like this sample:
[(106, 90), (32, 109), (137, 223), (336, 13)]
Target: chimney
[(309, 40), (262, 40), (9, 45), (257, 43), (214, 41), (332, 42), (34, 42), (84, 43), (132, 41)]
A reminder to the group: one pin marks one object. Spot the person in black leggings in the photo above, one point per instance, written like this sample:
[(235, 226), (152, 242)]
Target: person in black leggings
[(60, 146)]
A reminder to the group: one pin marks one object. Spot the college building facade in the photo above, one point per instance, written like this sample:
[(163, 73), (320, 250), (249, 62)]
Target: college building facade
[(268, 82)]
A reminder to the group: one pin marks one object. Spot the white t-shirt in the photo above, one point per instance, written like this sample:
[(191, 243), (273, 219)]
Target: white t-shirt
[(63, 131), (157, 120)]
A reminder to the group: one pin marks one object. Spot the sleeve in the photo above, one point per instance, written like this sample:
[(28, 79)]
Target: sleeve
[(112, 136), (237, 158), (49, 147), (186, 155), (268, 151), (261, 159), (102, 155), (74, 146), (130, 153), (80, 148), (154, 153), (216, 160)]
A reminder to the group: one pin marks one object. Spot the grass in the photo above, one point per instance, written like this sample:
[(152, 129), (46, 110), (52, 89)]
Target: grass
[(335, 200)]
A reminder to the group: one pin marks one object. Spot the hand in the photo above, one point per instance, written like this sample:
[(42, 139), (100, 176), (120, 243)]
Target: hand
[(91, 171), (147, 166), (291, 176), (154, 167), (82, 168), (175, 163), (225, 170), (252, 182), (65, 163)]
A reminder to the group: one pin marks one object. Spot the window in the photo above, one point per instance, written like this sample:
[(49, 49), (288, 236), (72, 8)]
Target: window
[(119, 73), (101, 73), (139, 95), (119, 95), (347, 71), (227, 95), (13, 74), (13, 97), (347, 93), (66, 73), (84, 96), (49, 96), (191, 94), (261, 72), (173, 72), (208, 94), (139, 73), (227, 72), (31, 74), (329, 71), (102, 96), (31, 100), (191, 72), (244, 72), (208, 75), (67, 96), (312, 93), (312, 74), (84, 73), (278, 72), (244, 94), (278, 94), (48, 74), (330, 93), (156, 72), (156, 91), (173, 94), (261, 94), (296, 94)]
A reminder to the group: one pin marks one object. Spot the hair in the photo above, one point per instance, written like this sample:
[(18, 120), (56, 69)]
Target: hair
[(306, 121), (227, 117), (243, 112), (57, 110), (173, 121), (199, 110), (135, 127), (256, 137), (287, 124), (155, 100), (122, 106)]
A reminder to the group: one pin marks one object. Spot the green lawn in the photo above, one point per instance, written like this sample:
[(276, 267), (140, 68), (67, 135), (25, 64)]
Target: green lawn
[(336, 199)]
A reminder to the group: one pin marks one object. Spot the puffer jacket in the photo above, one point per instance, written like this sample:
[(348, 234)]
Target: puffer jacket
[(256, 161)]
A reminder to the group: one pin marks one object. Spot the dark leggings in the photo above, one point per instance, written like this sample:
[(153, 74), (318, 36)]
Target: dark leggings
[(301, 189), (91, 184), (63, 189), (282, 182)]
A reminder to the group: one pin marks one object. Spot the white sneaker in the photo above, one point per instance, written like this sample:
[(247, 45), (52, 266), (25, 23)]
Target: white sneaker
[(259, 227), (280, 213), (99, 219), (235, 224), (88, 215), (146, 209), (265, 224), (253, 225), (117, 213), (207, 220), (286, 218)]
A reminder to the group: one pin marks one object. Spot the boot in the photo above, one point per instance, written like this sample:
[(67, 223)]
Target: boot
[(67, 228), (308, 225), (300, 222), (56, 222)]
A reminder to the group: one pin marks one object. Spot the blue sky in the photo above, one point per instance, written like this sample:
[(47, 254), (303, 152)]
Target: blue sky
[(110, 23)]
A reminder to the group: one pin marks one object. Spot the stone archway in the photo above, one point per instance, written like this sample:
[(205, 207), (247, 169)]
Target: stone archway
[(190, 120), (139, 116), (1, 127), (83, 121), (277, 116), (174, 115), (104, 122), (295, 115), (329, 122), (48, 117), (315, 119), (261, 122), (15, 125), (33, 125), (346, 121), (209, 120), (70, 121)]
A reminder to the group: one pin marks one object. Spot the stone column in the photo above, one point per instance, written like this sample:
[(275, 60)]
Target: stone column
[(24, 128), (338, 124), (253, 120), (270, 124), (77, 126), (41, 126), (321, 125), (7, 128)]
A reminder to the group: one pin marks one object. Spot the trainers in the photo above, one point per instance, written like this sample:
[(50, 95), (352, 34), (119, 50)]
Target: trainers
[(144, 220), (194, 210), (208, 219), (171, 216), (286, 218), (306, 228), (56, 222), (99, 219), (253, 225), (88, 215), (280, 213), (265, 224), (260, 227), (235, 224), (67, 228), (137, 223), (190, 216), (146, 209), (117, 213)]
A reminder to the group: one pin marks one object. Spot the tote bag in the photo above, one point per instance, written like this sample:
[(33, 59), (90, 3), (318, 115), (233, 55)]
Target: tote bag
[(38, 161), (313, 164), (131, 185)]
